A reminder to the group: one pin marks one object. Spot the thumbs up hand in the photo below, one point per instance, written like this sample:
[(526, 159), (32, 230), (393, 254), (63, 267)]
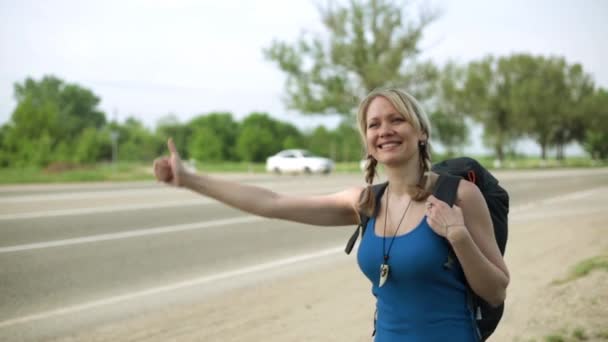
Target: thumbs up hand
[(169, 170)]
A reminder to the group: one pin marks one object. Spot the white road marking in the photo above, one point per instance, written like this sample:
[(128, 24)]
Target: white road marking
[(172, 287), (561, 198), (535, 215), (116, 208), (130, 234), (82, 195), (103, 209)]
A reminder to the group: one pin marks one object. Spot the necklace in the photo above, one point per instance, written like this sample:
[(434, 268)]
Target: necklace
[(384, 269)]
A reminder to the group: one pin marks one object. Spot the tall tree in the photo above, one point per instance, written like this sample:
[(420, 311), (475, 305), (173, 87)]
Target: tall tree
[(368, 44), (579, 89), (489, 87), (448, 119), (547, 97), (537, 96), (595, 139)]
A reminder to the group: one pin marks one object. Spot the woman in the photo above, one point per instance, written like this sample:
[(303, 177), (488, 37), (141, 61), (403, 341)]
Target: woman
[(406, 244)]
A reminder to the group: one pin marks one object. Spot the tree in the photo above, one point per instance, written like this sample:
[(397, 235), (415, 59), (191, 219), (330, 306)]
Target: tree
[(256, 141), (448, 119), (261, 136), (450, 130), (63, 109), (320, 142), (536, 96), (488, 98), (596, 134), (348, 143), (136, 143), (547, 97), (579, 89), (369, 44), (219, 126), (206, 145), (91, 145), (53, 111)]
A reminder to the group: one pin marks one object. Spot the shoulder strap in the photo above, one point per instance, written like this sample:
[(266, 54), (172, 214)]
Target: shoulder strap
[(446, 188), (378, 190)]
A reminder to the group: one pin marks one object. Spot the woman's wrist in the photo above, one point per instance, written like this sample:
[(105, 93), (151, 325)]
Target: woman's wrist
[(456, 233), (186, 179)]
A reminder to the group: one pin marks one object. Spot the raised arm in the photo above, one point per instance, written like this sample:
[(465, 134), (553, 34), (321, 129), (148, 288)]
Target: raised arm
[(327, 210)]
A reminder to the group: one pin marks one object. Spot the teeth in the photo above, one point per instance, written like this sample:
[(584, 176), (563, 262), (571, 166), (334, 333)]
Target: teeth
[(388, 145)]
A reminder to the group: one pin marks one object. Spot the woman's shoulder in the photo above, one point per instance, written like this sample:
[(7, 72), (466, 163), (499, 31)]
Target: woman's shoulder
[(468, 193), (352, 194)]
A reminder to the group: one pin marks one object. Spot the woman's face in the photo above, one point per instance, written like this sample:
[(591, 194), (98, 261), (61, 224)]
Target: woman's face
[(390, 138)]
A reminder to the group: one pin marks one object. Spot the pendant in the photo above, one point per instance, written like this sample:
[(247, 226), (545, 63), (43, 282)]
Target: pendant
[(383, 274)]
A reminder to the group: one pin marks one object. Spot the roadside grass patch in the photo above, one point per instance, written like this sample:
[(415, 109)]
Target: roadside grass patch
[(585, 267), (578, 334), (66, 173)]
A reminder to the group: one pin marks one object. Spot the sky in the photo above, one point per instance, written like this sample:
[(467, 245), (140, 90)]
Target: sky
[(151, 58)]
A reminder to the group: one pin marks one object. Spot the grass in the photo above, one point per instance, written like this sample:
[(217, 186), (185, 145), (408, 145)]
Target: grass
[(578, 334), (602, 335), (87, 173), (585, 267), (555, 338)]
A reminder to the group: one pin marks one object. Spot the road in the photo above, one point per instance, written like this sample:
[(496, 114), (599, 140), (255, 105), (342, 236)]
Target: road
[(75, 257)]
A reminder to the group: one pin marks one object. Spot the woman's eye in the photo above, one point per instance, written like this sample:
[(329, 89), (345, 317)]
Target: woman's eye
[(372, 125), (398, 120)]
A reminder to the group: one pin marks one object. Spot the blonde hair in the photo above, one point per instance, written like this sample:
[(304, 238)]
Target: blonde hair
[(411, 110)]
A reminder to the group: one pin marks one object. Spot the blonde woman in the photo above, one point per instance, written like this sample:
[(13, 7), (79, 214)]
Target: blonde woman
[(406, 243)]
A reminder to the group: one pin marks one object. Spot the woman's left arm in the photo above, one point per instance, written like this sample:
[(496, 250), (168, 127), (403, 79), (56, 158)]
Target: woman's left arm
[(468, 227)]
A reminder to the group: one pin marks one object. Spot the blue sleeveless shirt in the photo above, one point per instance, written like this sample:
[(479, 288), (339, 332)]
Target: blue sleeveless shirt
[(421, 300)]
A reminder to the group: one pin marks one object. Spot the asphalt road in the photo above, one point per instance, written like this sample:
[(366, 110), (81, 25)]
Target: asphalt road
[(75, 256)]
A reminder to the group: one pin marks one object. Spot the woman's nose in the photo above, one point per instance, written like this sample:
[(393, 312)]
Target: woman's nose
[(385, 130)]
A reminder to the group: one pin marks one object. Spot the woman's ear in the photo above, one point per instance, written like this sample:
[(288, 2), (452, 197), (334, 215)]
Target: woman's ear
[(423, 137)]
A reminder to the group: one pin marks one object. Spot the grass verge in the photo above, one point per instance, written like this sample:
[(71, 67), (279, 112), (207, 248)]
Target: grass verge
[(584, 267)]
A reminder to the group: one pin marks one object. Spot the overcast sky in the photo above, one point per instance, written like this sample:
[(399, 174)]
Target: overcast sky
[(148, 58)]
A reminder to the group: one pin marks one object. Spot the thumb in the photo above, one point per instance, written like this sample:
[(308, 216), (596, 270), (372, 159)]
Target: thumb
[(172, 148)]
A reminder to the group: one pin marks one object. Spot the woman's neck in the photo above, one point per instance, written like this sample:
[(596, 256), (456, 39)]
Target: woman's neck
[(403, 178)]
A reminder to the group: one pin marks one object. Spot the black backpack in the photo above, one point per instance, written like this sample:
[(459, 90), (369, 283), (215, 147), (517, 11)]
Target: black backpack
[(450, 172)]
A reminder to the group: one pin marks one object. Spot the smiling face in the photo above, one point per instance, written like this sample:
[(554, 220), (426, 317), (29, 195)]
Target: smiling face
[(390, 136)]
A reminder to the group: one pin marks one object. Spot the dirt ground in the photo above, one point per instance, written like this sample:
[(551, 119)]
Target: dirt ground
[(333, 302)]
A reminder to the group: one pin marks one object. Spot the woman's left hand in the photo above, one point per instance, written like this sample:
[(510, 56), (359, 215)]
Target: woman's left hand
[(442, 218)]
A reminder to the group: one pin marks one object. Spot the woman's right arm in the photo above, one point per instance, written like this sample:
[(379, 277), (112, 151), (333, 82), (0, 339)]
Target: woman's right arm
[(325, 210)]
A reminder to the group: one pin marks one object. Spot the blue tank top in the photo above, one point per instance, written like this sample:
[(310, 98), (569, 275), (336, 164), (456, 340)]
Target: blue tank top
[(421, 300)]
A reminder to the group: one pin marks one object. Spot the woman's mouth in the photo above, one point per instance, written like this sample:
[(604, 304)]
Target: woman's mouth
[(388, 145)]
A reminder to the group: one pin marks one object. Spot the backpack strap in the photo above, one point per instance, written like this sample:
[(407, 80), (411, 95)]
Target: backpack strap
[(446, 188), (378, 190)]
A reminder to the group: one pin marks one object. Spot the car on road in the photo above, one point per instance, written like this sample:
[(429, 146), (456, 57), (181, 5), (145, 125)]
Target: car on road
[(298, 161)]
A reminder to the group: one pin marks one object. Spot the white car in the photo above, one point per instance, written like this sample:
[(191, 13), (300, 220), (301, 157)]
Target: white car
[(298, 161)]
